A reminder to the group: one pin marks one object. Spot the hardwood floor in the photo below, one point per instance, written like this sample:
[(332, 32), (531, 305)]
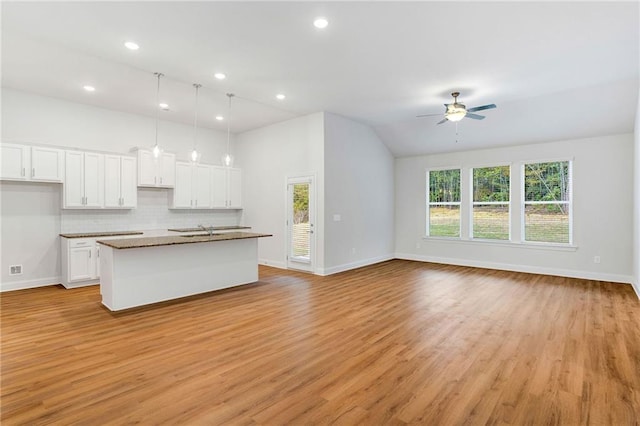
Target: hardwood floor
[(395, 343)]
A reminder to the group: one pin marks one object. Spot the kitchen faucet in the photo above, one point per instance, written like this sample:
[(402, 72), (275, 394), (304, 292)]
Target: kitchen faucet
[(209, 229)]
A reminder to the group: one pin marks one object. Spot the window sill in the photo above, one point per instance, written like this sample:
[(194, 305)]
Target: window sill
[(527, 245)]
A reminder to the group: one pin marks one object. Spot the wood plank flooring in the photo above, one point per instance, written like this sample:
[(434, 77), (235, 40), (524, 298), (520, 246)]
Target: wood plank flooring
[(395, 343)]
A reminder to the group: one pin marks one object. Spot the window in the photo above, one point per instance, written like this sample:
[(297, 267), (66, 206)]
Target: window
[(491, 203), (547, 202), (443, 208)]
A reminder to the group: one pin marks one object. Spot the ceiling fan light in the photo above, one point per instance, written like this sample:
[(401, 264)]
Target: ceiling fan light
[(456, 114)]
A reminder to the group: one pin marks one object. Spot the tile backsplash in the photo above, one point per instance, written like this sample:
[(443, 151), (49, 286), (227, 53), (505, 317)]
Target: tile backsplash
[(152, 213)]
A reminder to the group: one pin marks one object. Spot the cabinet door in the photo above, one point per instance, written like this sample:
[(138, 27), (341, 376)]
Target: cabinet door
[(47, 164), (82, 263), (235, 188), (202, 186), (112, 181), (147, 168), (167, 173), (74, 179), (93, 179), (218, 187), (183, 183), (14, 162), (128, 188)]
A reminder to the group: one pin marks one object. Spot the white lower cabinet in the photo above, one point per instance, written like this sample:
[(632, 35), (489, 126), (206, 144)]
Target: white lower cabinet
[(193, 186), (80, 262)]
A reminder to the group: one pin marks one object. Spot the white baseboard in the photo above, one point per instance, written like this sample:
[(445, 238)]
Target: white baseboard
[(273, 263), (587, 275), (22, 285), (636, 286), (353, 265)]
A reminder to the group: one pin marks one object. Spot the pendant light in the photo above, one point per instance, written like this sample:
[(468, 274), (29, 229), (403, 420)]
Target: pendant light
[(157, 151), (195, 155), (227, 159)]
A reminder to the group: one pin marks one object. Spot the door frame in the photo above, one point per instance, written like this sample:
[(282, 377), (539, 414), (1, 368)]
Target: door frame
[(309, 178)]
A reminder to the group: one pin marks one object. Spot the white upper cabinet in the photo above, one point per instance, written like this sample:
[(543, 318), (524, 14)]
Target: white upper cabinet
[(120, 190), (156, 172), (193, 186), (47, 164), (37, 164), (226, 188), (84, 180)]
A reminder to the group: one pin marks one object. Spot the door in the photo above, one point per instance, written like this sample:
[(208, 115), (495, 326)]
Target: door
[(14, 162), (182, 195), (82, 264), (74, 179), (167, 170), (202, 186), (112, 181), (147, 168), (300, 218), (235, 188), (93, 179), (128, 187), (218, 187), (46, 164)]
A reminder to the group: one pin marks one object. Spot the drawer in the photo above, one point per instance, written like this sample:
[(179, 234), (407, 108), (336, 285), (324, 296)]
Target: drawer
[(81, 242)]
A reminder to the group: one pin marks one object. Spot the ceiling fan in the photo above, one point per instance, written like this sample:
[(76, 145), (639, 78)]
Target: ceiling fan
[(457, 111)]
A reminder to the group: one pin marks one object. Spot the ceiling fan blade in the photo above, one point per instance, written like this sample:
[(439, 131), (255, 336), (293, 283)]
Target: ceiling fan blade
[(474, 116), (480, 108), (428, 115), (441, 121)]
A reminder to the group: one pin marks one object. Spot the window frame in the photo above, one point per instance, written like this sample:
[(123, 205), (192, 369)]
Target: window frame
[(524, 203), (444, 203), (473, 203)]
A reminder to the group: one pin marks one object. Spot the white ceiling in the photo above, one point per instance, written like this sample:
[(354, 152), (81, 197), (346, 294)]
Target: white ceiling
[(555, 70)]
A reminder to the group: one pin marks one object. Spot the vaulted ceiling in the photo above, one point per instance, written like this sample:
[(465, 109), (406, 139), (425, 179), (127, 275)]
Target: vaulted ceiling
[(556, 70)]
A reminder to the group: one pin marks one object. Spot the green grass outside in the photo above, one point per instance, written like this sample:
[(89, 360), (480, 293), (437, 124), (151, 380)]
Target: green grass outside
[(493, 223)]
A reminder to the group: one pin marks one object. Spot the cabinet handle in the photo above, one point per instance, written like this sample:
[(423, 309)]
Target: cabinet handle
[(23, 171), (89, 255), (155, 180), (196, 203), (33, 172), (98, 251), (160, 180)]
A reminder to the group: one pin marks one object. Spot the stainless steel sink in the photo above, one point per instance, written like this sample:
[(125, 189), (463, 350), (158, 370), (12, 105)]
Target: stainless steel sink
[(196, 235)]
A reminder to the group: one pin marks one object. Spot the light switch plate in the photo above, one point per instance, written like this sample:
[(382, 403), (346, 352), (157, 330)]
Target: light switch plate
[(336, 218)]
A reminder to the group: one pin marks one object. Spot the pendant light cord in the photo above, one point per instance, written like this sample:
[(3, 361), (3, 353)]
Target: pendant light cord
[(159, 74), (229, 95), (195, 118)]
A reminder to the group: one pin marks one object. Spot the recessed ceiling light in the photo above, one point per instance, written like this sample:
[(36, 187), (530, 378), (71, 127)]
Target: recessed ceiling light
[(219, 117), (280, 96), (320, 23), (89, 88), (220, 75), (131, 45), (163, 106)]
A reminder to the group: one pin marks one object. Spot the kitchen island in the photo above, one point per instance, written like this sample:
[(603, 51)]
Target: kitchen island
[(141, 271)]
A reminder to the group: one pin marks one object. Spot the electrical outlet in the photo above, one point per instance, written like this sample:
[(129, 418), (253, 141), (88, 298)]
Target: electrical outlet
[(596, 259), (353, 250), (15, 270)]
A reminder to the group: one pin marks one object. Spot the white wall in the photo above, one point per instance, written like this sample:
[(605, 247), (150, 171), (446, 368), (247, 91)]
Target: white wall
[(603, 206), (31, 213), (359, 188), (268, 156), (29, 233), (636, 203)]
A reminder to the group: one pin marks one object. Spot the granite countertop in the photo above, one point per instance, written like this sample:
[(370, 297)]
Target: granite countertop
[(127, 243), (214, 228), (100, 234)]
